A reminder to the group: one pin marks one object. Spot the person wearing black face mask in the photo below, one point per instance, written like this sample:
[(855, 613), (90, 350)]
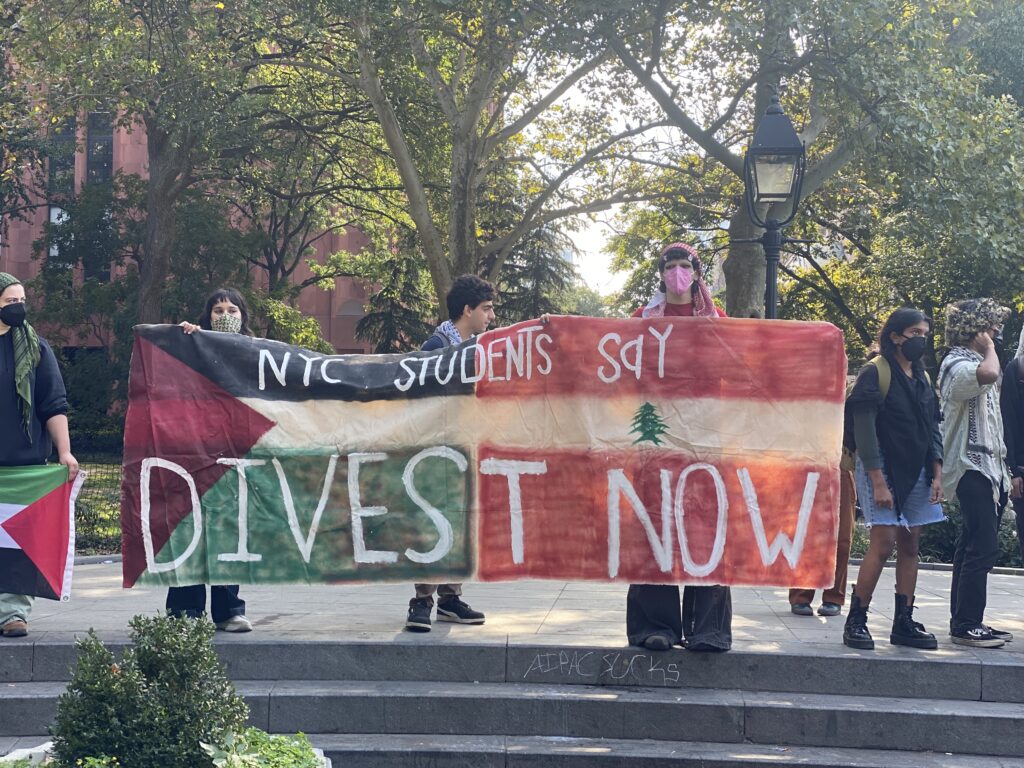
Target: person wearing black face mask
[(898, 472), (33, 415)]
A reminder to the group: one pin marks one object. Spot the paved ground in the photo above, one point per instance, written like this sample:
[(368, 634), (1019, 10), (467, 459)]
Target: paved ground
[(521, 612)]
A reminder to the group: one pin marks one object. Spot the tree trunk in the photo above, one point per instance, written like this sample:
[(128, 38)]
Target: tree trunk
[(744, 269), (462, 240), (158, 243)]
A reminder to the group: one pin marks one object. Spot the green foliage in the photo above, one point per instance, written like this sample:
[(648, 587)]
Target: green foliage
[(155, 707), (257, 749), (397, 315), (581, 299), (537, 277), (286, 323), (23, 149)]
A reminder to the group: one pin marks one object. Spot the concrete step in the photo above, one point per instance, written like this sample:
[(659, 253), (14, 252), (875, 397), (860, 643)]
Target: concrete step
[(949, 673), (461, 751), (523, 709)]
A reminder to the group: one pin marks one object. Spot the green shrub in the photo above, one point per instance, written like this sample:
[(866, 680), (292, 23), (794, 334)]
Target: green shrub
[(282, 751), (938, 541), (155, 707), (258, 749)]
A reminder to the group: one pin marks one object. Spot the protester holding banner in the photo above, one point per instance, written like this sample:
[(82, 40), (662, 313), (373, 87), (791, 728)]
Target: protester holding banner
[(975, 460), (1011, 400), (225, 312), (898, 472), (654, 617), (470, 304), (33, 419)]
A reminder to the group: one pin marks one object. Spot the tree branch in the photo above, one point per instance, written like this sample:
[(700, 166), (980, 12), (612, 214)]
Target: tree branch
[(706, 141)]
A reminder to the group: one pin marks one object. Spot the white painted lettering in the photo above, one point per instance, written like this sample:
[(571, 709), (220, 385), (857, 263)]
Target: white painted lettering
[(721, 527), (791, 549), (541, 369), (445, 535), (148, 465), (618, 486), (360, 552), (241, 553), (305, 541), (491, 371), (279, 372), (512, 469), (309, 366), (403, 386), (661, 347), (323, 370), (616, 369)]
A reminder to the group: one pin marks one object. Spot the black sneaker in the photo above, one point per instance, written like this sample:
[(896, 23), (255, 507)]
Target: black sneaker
[(830, 609), (801, 609), (419, 616), (976, 637), (658, 642), (1001, 634), (454, 610)]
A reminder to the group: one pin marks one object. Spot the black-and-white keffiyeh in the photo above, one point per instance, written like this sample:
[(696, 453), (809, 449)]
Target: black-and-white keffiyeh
[(449, 331)]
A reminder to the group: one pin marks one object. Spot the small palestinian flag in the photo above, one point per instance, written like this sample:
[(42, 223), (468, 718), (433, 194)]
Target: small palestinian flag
[(37, 530)]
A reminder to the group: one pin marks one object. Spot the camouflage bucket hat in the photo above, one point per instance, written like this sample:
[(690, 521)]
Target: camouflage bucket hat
[(966, 318)]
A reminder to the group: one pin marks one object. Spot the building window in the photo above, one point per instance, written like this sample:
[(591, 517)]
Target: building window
[(61, 181), (99, 149)]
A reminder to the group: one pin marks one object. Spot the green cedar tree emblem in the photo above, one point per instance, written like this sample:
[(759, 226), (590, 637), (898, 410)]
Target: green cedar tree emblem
[(647, 425)]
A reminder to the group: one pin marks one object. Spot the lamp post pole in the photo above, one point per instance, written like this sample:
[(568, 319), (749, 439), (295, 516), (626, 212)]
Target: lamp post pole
[(772, 241)]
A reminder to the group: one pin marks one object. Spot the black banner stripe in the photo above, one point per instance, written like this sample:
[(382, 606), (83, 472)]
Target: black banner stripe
[(248, 367)]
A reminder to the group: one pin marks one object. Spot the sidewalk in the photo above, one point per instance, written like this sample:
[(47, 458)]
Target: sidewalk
[(517, 612)]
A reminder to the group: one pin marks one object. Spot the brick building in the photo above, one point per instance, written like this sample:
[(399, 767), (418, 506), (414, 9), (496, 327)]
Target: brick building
[(104, 150)]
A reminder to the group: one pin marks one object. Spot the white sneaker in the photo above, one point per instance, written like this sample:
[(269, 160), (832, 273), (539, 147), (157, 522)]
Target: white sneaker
[(235, 624)]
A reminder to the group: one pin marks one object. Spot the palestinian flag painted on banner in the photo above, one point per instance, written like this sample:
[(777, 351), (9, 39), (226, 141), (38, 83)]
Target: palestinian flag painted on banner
[(37, 530), (672, 450)]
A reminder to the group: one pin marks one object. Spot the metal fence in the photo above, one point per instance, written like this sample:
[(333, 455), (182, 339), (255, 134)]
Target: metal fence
[(98, 509)]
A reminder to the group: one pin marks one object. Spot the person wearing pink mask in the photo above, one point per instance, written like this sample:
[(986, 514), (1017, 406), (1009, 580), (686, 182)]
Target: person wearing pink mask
[(654, 617)]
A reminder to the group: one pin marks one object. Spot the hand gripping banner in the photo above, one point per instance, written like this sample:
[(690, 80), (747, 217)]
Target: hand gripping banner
[(670, 450)]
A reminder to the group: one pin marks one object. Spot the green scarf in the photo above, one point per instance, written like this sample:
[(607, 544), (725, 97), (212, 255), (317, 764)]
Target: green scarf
[(26, 358)]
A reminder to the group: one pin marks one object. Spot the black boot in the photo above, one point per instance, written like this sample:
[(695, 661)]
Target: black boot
[(855, 633), (906, 631)]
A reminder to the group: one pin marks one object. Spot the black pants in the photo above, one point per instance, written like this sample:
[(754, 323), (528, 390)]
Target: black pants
[(704, 619), (1018, 507), (977, 549), (191, 601)]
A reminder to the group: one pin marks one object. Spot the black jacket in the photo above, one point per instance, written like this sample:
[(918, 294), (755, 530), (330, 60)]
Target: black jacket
[(1011, 403), (49, 399)]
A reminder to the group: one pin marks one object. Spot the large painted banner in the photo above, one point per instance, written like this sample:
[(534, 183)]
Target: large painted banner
[(655, 451)]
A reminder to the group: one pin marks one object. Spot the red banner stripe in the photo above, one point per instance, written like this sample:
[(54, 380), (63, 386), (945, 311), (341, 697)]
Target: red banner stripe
[(566, 531), (667, 357)]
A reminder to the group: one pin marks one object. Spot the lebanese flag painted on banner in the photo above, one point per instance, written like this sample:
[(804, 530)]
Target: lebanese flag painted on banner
[(696, 450), (37, 530)]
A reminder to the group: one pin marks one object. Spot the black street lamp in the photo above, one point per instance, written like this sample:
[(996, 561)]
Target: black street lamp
[(773, 173)]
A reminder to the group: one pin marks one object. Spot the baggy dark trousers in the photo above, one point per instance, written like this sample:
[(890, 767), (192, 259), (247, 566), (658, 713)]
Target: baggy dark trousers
[(977, 549), (704, 618), (191, 601)]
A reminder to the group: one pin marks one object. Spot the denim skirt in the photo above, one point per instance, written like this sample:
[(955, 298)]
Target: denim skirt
[(916, 510)]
